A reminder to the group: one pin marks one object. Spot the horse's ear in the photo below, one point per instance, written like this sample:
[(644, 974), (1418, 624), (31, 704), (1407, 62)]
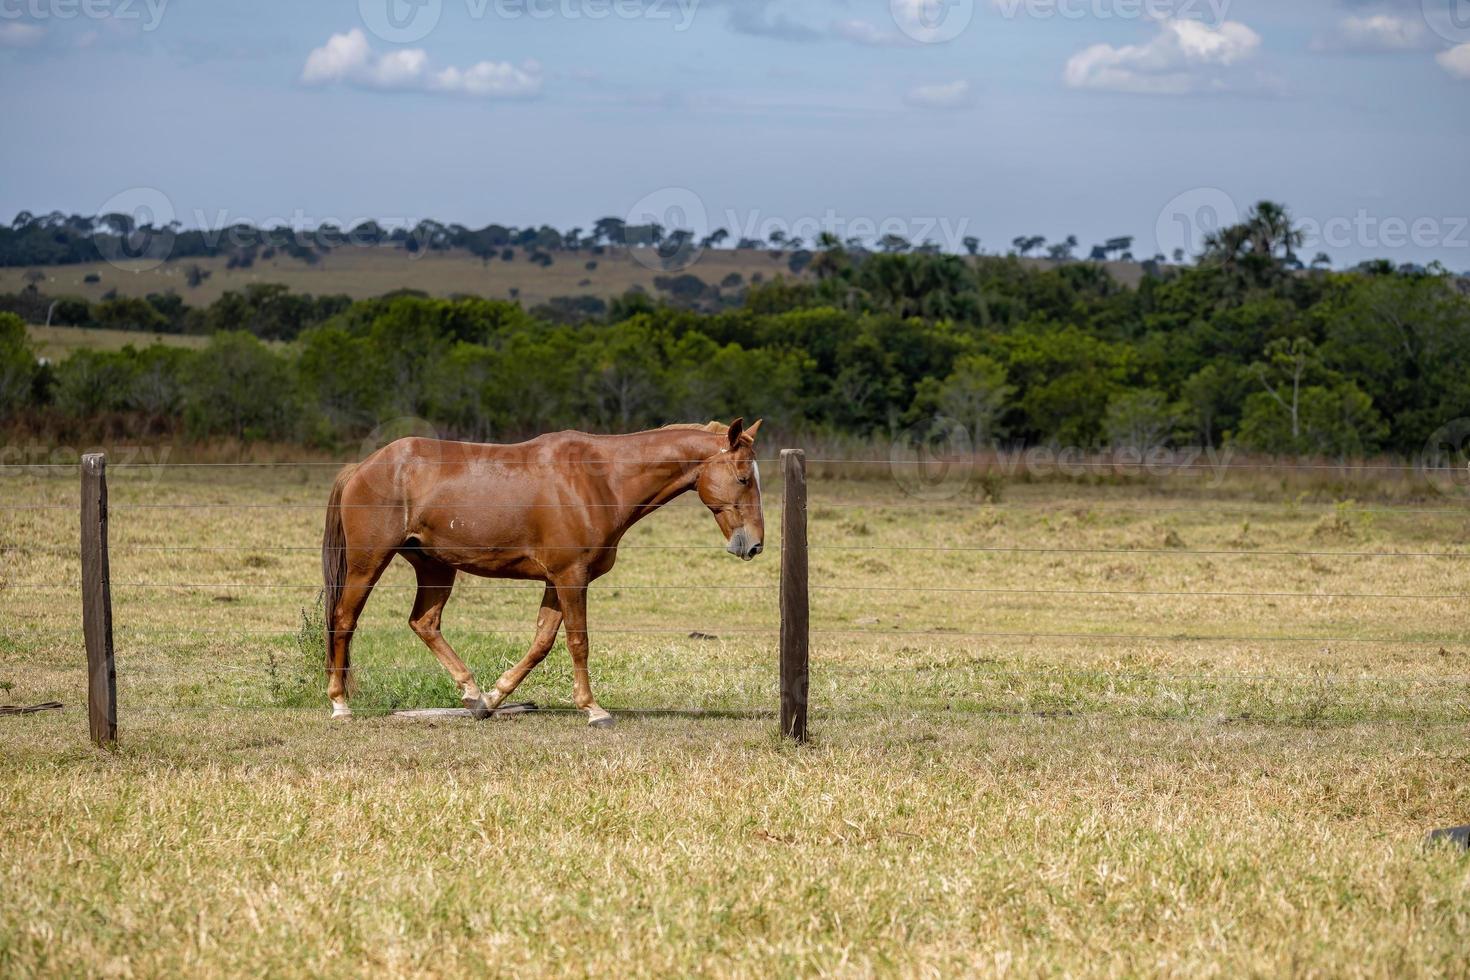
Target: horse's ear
[(753, 428), (736, 427)]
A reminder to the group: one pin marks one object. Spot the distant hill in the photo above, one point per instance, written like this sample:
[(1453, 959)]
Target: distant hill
[(362, 273)]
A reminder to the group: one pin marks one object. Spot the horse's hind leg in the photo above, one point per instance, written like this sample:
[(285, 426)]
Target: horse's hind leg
[(571, 592), (436, 582), (548, 621), (362, 574)]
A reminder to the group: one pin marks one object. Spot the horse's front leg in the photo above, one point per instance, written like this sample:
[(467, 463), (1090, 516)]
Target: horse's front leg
[(547, 623), (571, 593)]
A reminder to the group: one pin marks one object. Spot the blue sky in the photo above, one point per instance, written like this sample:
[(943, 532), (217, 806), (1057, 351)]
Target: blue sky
[(936, 118)]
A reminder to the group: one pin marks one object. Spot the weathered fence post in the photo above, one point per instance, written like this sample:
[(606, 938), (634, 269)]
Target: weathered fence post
[(795, 611), (97, 602)]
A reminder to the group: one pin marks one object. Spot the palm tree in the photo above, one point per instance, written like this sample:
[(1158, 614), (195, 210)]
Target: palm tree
[(1225, 246), (1271, 229), (831, 258)]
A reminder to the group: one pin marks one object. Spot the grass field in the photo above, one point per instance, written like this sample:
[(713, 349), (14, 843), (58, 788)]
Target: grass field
[(1186, 731), (366, 272), (58, 342), (363, 273)]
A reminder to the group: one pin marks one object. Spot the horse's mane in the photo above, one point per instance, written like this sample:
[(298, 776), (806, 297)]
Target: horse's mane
[(706, 427)]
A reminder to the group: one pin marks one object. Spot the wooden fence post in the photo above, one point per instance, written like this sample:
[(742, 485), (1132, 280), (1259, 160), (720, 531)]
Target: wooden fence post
[(97, 602), (795, 609)]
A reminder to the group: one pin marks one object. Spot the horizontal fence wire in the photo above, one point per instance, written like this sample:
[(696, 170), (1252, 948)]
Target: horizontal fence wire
[(855, 710), (820, 546), (715, 633), (1067, 509), (1041, 672), (1016, 461), (478, 586)]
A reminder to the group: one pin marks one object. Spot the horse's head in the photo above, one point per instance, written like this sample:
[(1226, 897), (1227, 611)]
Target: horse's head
[(730, 486)]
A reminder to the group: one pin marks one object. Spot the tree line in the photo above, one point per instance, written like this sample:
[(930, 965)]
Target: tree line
[(1243, 348)]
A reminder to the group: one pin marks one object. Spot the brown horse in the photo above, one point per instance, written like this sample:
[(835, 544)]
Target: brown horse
[(551, 510)]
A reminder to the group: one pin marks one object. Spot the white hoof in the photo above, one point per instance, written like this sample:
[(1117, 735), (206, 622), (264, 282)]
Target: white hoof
[(599, 718), (340, 710)]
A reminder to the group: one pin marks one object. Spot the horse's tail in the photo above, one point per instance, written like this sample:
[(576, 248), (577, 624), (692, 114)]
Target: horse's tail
[(334, 563)]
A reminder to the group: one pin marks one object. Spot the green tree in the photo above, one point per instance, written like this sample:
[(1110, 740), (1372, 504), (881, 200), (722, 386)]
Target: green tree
[(1212, 398), (344, 379), (1406, 342), (237, 387), (975, 394), (1141, 419), (1066, 379), (18, 364), (129, 313), (1332, 420), (90, 383), (1283, 373), (625, 377), (157, 389)]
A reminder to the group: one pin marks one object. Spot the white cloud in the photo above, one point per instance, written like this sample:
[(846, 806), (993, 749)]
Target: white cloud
[(944, 95), (1185, 56), (349, 59), (491, 79), (1456, 61), (1376, 32), (931, 21), (20, 35), (342, 56)]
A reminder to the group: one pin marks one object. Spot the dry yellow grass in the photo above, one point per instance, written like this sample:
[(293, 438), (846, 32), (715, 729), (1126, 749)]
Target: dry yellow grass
[(1163, 783), (363, 273), (59, 342)]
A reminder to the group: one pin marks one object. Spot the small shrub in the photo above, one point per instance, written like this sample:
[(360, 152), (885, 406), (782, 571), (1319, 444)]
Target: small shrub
[(297, 681), (992, 486), (1346, 522)]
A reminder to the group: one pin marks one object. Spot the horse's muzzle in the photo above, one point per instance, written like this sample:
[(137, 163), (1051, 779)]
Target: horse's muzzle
[(743, 546)]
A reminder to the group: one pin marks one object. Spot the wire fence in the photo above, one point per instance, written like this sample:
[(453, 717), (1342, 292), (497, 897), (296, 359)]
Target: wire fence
[(1427, 575), (1164, 460)]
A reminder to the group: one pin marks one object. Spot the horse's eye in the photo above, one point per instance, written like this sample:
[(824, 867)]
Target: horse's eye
[(744, 481)]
